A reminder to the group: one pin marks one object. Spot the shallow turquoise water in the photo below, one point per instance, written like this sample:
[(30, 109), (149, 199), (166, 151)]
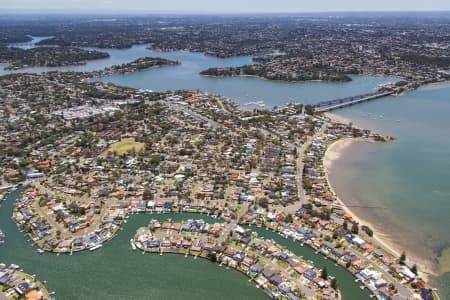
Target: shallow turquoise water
[(409, 177)]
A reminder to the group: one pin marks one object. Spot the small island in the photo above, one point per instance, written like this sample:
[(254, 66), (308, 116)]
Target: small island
[(140, 64)]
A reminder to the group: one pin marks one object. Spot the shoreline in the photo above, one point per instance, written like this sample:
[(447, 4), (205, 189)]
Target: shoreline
[(380, 239), (274, 80)]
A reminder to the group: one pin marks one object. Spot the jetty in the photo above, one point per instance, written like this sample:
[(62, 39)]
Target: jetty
[(329, 105)]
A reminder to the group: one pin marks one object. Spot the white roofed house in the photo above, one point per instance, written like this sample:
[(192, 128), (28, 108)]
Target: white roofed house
[(357, 241), (407, 274)]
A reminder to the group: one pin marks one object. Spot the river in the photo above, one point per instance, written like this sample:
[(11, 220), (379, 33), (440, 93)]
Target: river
[(186, 76), (408, 177)]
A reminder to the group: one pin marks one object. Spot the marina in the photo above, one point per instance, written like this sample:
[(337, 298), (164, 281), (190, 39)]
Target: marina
[(383, 119), (116, 254)]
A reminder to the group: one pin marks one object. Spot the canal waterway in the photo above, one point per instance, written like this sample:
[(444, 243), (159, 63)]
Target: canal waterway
[(408, 178), (116, 272), (346, 283)]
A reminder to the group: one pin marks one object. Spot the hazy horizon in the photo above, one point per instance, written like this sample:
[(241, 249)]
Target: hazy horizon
[(230, 7)]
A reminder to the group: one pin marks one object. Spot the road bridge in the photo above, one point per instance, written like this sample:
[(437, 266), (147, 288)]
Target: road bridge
[(334, 104)]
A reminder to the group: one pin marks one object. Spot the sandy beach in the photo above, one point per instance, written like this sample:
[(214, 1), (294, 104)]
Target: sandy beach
[(380, 239), (337, 118)]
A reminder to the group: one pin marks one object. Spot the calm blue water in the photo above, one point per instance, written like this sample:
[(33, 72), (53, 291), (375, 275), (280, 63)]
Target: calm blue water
[(117, 272), (241, 89), (410, 176), (131, 275)]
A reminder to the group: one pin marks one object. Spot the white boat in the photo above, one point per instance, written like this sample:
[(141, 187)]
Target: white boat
[(133, 245), (96, 247), (40, 251), (14, 267)]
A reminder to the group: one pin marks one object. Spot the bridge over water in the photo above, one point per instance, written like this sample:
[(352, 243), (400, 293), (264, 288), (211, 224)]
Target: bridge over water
[(330, 105)]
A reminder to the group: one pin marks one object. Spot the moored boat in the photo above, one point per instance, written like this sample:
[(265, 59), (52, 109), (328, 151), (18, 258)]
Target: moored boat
[(133, 245), (96, 247)]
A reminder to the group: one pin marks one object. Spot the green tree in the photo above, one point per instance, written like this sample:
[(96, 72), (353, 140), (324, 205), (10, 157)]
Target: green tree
[(403, 257), (42, 202), (289, 218), (345, 225), (335, 235), (324, 273), (333, 283)]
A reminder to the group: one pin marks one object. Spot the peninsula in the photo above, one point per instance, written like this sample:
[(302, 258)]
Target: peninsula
[(88, 164), (89, 155), (15, 284), (17, 58)]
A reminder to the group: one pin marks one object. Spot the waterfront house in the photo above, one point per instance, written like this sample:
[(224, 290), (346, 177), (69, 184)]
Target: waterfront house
[(276, 280), (310, 274), (267, 273), (256, 269), (357, 241), (406, 273)]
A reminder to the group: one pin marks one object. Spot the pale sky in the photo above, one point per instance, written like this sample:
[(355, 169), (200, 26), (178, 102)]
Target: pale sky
[(225, 6)]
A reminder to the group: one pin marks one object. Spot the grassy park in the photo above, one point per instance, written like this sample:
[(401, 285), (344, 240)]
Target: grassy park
[(126, 146)]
